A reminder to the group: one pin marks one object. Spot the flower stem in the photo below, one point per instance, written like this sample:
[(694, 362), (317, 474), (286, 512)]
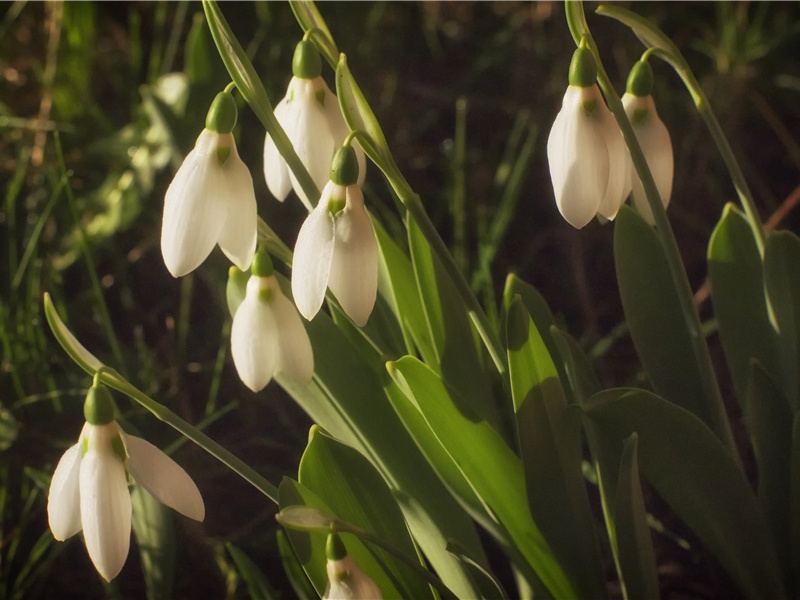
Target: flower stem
[(580, 30)]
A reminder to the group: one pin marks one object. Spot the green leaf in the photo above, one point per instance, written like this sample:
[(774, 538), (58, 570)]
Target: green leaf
[(782, 280), (457, 359), (580, 376), (301, 585), (769, 419), (692, 471), (84, 359), (794, 517), (489, 584), (632, 533), (258, 587), (550, 440), (356, 493), (654, 316), (737, 292), (309, 18), (155, 535), (494, 472)]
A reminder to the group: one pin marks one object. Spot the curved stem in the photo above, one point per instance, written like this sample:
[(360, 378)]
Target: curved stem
[(579, 29)]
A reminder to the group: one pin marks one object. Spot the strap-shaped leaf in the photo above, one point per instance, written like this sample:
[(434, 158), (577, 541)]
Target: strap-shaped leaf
[(737, 292), (632, 533), (550, 440), (691, 469)]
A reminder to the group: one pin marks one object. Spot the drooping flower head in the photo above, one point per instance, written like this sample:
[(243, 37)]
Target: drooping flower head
[(653, 138), (267, 335), (345, 580), (211, 200), (309, 114), (336, 247), (589, 162), (89, 489)]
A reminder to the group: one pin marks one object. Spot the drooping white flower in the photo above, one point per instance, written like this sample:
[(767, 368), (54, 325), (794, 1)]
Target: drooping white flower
[(268, 336), (345, 580), (210, 201), (589, 162), (89, 489), (653, 138), (336, 248), (309, 114)]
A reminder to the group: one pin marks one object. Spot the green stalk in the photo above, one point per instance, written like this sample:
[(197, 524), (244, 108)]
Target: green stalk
[(100, 372), (579, 29), (664, 48)]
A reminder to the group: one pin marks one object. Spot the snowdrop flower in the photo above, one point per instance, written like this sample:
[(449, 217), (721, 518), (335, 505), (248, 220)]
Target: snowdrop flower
[(211, 200), (345, 580), (89, 489), (336, 247), (653, 138), (268, 335), (589, 162), (313, 122)]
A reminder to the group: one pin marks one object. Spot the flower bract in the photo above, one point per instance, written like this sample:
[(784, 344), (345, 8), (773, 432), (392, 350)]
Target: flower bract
[(210, 201), (589, 162), (89, 491), (656, 145), (337, 249), (268, 336)]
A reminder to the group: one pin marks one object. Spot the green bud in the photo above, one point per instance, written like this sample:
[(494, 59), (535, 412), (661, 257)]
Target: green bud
[(640, 80), (98, 408), (222, 115), (262, 264), (306, 63), (334, 547), (344, 167), (582, 69)]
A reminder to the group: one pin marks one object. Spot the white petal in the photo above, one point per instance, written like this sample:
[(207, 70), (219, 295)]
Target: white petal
[(276, 172), (64, 500), (238, 237), (193, 212), (347, 582), (619, 165), (254, 343), (312, 258), (166, 481), (354, 268), (578, 158), (295, 356), (105, 502), (657, 147)]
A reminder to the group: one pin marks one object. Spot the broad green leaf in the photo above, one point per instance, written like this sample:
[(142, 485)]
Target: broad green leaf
[(85, 359), (782, 280), (632, 532), (258, 587), (579, 373), (492, 588), (550, 440), (737, 292), (356, 493), (693, 472), (155, 536), (494, 472), (654, 316), (457, 355), (769, 419), (301, 585)]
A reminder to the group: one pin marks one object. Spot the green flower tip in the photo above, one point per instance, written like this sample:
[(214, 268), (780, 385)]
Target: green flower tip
[(98, 408), (582, 69), (222, 115), (334, 548), (262, 264), (307, 63), (344, 167), (640, 80)]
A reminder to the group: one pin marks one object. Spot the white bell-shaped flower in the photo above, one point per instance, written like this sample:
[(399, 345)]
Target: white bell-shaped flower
[(89, 488), (211, 199), (653, 138), (589, 162), (268, 336), (336, 247), (345, 580), (310, 116)]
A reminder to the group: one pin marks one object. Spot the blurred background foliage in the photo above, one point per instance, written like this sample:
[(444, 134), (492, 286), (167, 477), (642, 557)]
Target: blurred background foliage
[(99, 102)]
